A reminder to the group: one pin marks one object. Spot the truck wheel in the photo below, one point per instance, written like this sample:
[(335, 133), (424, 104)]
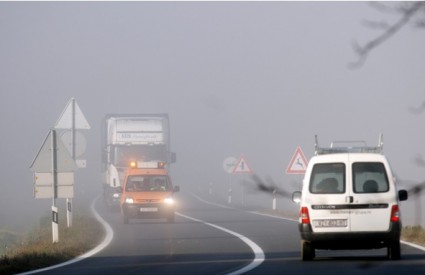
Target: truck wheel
[(124, 218), (307, 251), (394, 251)]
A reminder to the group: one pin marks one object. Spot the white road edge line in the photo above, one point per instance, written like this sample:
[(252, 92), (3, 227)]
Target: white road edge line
[(258, 252), (108, 238)]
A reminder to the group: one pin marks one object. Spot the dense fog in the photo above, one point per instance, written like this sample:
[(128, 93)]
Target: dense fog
[(243, 78)]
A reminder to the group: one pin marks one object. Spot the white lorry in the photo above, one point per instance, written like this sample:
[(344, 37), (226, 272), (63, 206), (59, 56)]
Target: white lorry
[(349, 200), (127, 138)]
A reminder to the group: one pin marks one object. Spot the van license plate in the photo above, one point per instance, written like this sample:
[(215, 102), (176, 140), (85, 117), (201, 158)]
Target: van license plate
[(330, 223), (148, 209)]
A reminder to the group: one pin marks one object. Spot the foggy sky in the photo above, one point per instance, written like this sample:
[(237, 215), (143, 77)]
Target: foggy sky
[(244, 78)]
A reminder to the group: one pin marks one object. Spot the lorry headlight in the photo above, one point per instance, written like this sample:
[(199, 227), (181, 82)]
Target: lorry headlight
[(169, 201), (129, 200)]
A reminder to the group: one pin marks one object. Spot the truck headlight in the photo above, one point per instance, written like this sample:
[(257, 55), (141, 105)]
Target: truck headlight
[(169, 201), (129, 200)]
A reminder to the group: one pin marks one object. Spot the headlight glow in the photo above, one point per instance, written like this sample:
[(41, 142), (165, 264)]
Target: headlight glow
[(116, 195), (169, 201), (129, 200)]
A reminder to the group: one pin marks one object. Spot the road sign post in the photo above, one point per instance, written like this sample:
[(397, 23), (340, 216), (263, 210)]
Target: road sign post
[(49, 165), (229, 165), (72, 118)]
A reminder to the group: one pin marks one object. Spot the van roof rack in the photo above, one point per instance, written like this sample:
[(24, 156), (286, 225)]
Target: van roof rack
[(350, 147)]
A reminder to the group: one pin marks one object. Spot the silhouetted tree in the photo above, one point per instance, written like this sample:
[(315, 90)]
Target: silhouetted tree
[(408, 12)]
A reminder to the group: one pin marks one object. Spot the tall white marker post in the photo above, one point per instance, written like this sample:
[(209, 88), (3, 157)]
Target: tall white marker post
[(55, 221)]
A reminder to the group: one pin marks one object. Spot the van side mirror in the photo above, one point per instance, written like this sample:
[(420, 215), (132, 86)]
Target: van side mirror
[(402, 195), (176, 189), (296, 197)]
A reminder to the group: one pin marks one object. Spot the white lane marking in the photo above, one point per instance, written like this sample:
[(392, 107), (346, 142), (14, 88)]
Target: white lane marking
[(258, 252), (272, 216), (211, 203), (414, 245), (108, 238)]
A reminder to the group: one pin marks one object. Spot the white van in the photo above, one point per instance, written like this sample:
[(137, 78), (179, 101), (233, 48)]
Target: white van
[(349, 200)]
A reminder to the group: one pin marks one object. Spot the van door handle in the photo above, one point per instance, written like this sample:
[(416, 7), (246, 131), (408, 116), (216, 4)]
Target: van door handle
[(349, 199)]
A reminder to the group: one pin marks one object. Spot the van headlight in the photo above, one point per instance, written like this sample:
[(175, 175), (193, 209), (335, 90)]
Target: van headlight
[(129, 200), (169, 201)]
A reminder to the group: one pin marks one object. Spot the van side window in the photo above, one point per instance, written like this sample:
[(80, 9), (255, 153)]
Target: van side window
[(328, 178), (370, 177)]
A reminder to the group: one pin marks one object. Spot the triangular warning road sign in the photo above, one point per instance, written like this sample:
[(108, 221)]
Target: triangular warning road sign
[(72, 112), (242, 167), (298, 163), (42, 163)]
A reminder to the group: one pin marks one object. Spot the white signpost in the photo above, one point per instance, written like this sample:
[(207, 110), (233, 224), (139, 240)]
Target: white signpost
[(55, 164), (229, 165), (52, 167), (72, 118), (235, 166)]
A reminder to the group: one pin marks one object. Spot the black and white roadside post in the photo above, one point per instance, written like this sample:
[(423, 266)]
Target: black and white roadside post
[(55, 220), (71, 119), (274, 200)]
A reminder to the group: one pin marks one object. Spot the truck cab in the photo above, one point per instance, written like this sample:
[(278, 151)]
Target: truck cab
[(147, 193), (349, 200)]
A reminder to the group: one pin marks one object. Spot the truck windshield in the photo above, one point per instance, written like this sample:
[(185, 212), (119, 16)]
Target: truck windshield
[(122, 155), (147, 184), (328, 178)]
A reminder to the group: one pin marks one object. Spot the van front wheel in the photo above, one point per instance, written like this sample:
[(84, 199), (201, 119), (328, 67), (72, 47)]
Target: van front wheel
[(307, 251)]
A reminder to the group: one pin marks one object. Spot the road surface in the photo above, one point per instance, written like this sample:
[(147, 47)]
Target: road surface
[(210, 238)]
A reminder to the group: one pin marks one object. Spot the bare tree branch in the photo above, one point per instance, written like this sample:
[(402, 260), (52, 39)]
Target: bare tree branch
[(418, 110), (408, 10)]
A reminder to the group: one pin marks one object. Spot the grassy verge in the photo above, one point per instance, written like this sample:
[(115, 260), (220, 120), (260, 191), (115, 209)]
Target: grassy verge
[(36, 250), (414, 234)]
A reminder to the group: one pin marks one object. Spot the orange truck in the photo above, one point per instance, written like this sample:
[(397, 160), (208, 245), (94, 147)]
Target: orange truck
[(147, 192)]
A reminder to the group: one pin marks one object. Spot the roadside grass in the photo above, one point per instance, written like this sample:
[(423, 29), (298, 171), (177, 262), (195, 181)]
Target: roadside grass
[(36, 249), (414, 234)]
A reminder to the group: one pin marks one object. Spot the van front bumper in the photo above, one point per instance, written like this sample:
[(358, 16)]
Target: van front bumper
[(160, 210)]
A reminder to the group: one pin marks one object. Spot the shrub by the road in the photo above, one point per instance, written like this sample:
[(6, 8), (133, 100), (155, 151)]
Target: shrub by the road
[(36, 249)]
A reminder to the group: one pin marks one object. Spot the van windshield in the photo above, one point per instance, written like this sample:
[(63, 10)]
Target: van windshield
[(147, 184), (369, 177), (328, 178)]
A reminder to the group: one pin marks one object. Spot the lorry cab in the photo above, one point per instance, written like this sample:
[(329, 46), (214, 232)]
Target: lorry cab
[(147, 192), (349, 200)]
